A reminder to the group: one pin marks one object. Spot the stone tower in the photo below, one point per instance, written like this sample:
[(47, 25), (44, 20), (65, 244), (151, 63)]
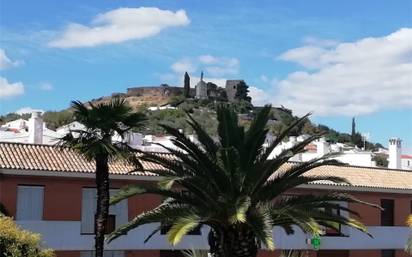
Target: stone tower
[(231, 89), (201, 89)]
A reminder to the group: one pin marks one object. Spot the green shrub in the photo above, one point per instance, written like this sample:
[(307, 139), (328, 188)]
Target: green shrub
[(16, 242)]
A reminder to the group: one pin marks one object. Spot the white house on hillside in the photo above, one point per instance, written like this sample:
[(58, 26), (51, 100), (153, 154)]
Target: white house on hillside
[(32, 131)]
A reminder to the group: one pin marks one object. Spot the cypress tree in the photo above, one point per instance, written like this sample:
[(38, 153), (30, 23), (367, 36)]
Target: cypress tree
[(186, 89), (353, 130)]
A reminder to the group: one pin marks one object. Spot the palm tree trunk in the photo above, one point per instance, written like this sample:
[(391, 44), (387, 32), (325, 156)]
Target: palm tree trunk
[(102, 211), (236, 241)]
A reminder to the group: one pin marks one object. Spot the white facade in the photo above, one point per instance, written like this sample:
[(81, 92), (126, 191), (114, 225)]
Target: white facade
[(72, 239), (63, 130), (406, 162), (319, 148), (32, 131), (157, 108)]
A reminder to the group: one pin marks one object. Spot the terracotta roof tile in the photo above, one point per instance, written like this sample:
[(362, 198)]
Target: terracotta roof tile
[(20, 156), (48, 158), (368, 177)]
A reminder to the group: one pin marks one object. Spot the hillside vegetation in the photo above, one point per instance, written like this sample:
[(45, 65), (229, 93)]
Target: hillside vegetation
[(204, 112)]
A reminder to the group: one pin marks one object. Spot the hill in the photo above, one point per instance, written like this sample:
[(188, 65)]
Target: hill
[(175, 105)]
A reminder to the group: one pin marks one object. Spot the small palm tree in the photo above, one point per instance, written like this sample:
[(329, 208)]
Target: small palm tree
[(102, 122), (232, 187)]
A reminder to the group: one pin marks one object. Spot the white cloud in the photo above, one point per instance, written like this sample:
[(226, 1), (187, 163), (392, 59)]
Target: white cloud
[(216, 69), (352, 78), (10, 89), (213, 66), (5, 61), (320, 42), (46, 86), (27, 109), (219, 66), (184, 65), (120, 25), (260, 97)]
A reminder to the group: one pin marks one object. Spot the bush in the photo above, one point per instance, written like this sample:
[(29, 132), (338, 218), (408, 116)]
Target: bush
[(16, 242)]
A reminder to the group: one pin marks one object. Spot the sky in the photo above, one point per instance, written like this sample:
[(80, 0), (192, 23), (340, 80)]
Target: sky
[(336, 59)]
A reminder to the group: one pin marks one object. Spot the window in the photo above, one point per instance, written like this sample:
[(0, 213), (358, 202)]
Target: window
[(105, 254), (387, 214), (110, 224), (410, 208), (171, 253), (388, 253), (118, 214), (334, 253), (30, 202), (331, 231)]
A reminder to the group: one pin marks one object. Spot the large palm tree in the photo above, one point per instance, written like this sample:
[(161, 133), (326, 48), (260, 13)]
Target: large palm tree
[(232, 187), (102, 122)]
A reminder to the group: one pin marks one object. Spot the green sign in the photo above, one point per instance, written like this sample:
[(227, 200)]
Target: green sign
[(315, 242)]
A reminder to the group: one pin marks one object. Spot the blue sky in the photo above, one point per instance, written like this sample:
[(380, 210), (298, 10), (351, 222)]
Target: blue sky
[(336, 58)]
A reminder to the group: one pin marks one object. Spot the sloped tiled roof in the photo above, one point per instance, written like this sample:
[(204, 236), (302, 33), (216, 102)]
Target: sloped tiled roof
[(48, 158), (17, 156), (366, 176)]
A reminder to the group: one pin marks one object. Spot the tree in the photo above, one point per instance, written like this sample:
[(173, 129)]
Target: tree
[(409, 243), (381, 160), (17, 242), (57, 119), (232, 187), (186, 89), (242, 92), (353, 134), (102, 122)]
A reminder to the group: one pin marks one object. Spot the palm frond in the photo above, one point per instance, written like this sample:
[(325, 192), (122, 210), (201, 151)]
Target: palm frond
[(181, 227), (166, 213), (238, 211), (261, 223), (195, 253)]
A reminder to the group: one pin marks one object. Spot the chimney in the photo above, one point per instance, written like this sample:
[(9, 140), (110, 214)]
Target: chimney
[(36, 128), (394, 153), (322, 147)]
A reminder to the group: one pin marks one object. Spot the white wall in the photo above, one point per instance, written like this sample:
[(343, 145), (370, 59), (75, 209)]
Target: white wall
[(65, 235), (406, 163)]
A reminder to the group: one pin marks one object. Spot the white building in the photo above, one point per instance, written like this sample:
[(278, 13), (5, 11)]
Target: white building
[(318, 148), (32, 131), (406, 162)]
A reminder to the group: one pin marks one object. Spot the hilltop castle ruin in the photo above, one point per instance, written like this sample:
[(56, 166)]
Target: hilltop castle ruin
[(234, 90)]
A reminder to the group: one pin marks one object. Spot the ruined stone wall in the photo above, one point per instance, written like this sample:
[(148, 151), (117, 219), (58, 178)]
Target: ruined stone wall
[(159, 91)]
